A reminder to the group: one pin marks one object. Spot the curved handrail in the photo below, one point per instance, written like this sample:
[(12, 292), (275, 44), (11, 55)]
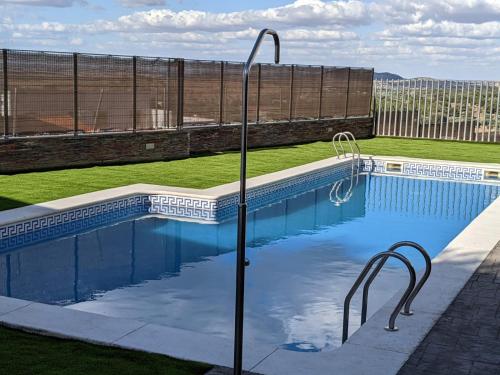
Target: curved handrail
[(354, 141), (346, 134), (339, 136), (336, 199), (420, 284), (355, 155), (241, 261), (392, 319), (334, 191)]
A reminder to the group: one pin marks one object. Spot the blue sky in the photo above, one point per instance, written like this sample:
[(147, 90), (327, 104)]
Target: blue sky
[(455, 39)]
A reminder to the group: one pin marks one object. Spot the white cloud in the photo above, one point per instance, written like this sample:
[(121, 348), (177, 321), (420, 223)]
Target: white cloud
[(346, 32), (462, 11), (431, 28), (300, 13), (141, 3)]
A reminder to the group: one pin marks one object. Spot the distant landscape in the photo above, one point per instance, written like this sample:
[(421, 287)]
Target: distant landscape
[(394, 77), (386, 75)]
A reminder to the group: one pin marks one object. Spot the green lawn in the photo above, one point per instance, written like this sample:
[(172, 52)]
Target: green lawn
[(22, 353), (206, 171)]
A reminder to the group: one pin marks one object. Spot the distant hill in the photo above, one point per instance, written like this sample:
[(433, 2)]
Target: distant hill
[(387, 75)]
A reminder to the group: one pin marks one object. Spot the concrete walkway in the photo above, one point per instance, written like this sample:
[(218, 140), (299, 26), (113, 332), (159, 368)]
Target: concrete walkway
[(466, 339)]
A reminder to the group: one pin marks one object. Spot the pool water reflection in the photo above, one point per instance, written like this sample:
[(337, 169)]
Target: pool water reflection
[(304, 251)]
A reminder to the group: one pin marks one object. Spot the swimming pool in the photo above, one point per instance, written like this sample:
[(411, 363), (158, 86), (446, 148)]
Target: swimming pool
[(304, 251)]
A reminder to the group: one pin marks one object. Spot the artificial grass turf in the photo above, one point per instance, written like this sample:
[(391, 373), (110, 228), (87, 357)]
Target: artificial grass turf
[(207, 171), (23, 353)]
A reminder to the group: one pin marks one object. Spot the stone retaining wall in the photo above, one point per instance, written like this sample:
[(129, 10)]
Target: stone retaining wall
[(42, 153)]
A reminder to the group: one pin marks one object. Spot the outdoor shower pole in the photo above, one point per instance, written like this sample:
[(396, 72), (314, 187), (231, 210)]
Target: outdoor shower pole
[(241, 262)]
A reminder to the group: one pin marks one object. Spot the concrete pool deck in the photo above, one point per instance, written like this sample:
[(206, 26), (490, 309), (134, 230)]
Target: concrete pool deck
[(370, 350)]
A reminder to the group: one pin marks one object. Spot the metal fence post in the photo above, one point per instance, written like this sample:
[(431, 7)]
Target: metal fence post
[(221, 94), (5, 95), (347, 93), (373, 96), (259, 67), (292, 73), (134, 95), (75, 93), (180, 93), (168, 93), (320, 107)]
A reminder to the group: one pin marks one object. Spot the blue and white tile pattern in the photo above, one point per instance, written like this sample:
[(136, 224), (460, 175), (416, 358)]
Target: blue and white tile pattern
[(210, 209)]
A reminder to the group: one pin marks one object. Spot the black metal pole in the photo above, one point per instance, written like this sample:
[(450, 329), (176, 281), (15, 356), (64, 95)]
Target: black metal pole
[(242, 206)]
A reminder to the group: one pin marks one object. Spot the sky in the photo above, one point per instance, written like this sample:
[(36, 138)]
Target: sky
[(448, 39)]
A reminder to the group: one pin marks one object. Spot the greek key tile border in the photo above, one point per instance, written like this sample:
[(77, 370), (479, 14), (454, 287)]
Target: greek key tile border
[(444, 171), (429, 170), (71, 221), (183, 206)]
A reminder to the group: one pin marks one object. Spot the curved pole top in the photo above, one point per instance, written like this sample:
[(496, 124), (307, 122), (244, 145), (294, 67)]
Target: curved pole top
[(256, 47)]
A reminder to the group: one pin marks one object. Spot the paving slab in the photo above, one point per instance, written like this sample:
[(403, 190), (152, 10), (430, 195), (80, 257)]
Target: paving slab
[(191, 345), (62, 322), (466, 338), (8, 304)]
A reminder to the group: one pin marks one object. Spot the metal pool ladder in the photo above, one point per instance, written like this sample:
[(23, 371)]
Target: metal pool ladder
[(335, 196), (409, 295)]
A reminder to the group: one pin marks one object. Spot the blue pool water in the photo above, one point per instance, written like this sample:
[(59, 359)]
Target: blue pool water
[(305, 253)]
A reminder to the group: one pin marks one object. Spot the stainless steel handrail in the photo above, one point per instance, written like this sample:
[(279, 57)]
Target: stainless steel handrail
[(335, 198), (334, 192), (416, 290), (392, 319), (241, 261), (346, 135)]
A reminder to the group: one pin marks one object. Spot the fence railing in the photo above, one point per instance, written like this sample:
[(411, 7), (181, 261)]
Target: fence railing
[(438, 109), (49, 93)]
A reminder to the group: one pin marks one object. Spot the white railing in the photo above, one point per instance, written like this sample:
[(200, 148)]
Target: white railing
[(437, 109)]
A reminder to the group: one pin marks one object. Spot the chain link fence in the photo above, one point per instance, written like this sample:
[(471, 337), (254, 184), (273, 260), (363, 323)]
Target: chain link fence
[(49, 93), (438, 109)]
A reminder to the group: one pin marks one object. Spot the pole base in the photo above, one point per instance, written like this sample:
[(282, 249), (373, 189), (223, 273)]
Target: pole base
[(409, 313), (391, 329)]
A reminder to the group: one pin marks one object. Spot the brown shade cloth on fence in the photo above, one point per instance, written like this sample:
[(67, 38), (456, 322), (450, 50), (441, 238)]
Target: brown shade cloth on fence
[(233, 74), (360, 92), (202, 87), (275, 89), (43, 88), (335, 85), (154, 111), (40, 93), (306, 92), (105, 96)]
